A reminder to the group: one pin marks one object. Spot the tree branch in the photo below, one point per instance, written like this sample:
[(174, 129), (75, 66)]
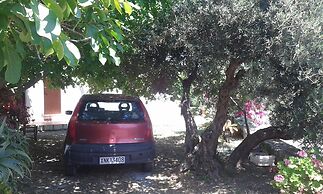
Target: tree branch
[(253, 140), (72, 30), (244, 114), (30, 83)]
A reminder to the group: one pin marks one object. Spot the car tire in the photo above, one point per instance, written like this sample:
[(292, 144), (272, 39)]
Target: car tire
[(147, 167)]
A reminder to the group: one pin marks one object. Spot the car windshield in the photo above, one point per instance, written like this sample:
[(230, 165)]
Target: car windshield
[(112, 111)]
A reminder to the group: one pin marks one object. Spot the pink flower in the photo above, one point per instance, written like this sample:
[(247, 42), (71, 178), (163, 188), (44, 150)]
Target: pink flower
[(279, 178), (287, 162), (317, 164), (302, 154)]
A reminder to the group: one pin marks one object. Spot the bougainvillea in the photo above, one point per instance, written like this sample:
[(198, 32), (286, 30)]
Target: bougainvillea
[(256, 114)]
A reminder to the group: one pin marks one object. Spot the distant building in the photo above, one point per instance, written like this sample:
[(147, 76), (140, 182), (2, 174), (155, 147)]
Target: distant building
[(47, 106)]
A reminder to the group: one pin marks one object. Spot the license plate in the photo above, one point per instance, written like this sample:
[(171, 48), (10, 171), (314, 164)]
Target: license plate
[(112, 160)]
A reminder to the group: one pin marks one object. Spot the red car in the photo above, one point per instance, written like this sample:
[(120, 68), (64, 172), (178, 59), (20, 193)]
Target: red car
[(108, 129)]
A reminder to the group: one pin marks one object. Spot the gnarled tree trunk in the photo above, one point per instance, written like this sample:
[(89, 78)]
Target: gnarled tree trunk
[(205, 158), (251, 141), (191, 137)]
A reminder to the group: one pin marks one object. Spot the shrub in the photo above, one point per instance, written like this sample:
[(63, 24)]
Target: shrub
[(14, 160), (301, 174)]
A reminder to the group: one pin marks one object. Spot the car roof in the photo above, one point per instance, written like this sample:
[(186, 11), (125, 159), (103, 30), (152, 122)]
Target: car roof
[(89, 97)]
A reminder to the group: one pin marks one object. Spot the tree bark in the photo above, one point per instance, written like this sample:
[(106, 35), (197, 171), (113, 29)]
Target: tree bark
[(251, 141), (205, 158), (191, 137)]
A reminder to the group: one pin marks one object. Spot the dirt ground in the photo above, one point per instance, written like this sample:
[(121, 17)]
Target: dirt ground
[(47, 173)]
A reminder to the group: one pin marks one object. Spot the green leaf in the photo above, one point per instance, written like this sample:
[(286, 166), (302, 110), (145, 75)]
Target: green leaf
[(92, 32), (117, 6), (12, 164), (116, 35), (24, 36), (5, 173), (19, 46), (66, 8), (127, 7), (74, 8), (85, 3), (102, 15), (72, 4), (24, 154), (46, 47), (72, 53), (3, 21), (59, 49), (36, 39), (52, 5), (106, 3), (22, 12), (13, 62), (4, 153), (1, 57), (47, 24)]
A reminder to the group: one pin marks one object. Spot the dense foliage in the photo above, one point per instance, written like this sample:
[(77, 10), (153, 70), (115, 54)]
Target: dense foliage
[(279, 46), (239, 49), (35, 33), (14, 161)]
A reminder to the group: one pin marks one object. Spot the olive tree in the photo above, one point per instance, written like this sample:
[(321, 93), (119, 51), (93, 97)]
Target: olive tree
[(227, 43)]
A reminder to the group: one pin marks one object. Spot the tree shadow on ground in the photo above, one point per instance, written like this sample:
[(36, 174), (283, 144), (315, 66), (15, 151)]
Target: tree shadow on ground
[(48, 175)]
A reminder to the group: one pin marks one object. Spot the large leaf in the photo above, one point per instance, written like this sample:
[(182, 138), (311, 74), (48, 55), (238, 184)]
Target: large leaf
[(13, 62), (5, 173), (12, 164), (52, 5), (23, 154), (127, 7), (36, 39), (19, 46), (4, 21), (92, 32), (72, 53), (4, 153), (47, 47), (117, 5), (23, 12), (116, 34), (59, 49), (46, 21)]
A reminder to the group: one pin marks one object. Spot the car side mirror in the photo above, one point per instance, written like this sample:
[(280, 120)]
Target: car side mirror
[(68, 112)]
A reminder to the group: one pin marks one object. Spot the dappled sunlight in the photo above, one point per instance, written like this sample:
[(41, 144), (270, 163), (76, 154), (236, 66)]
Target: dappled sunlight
[(48, 173)]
